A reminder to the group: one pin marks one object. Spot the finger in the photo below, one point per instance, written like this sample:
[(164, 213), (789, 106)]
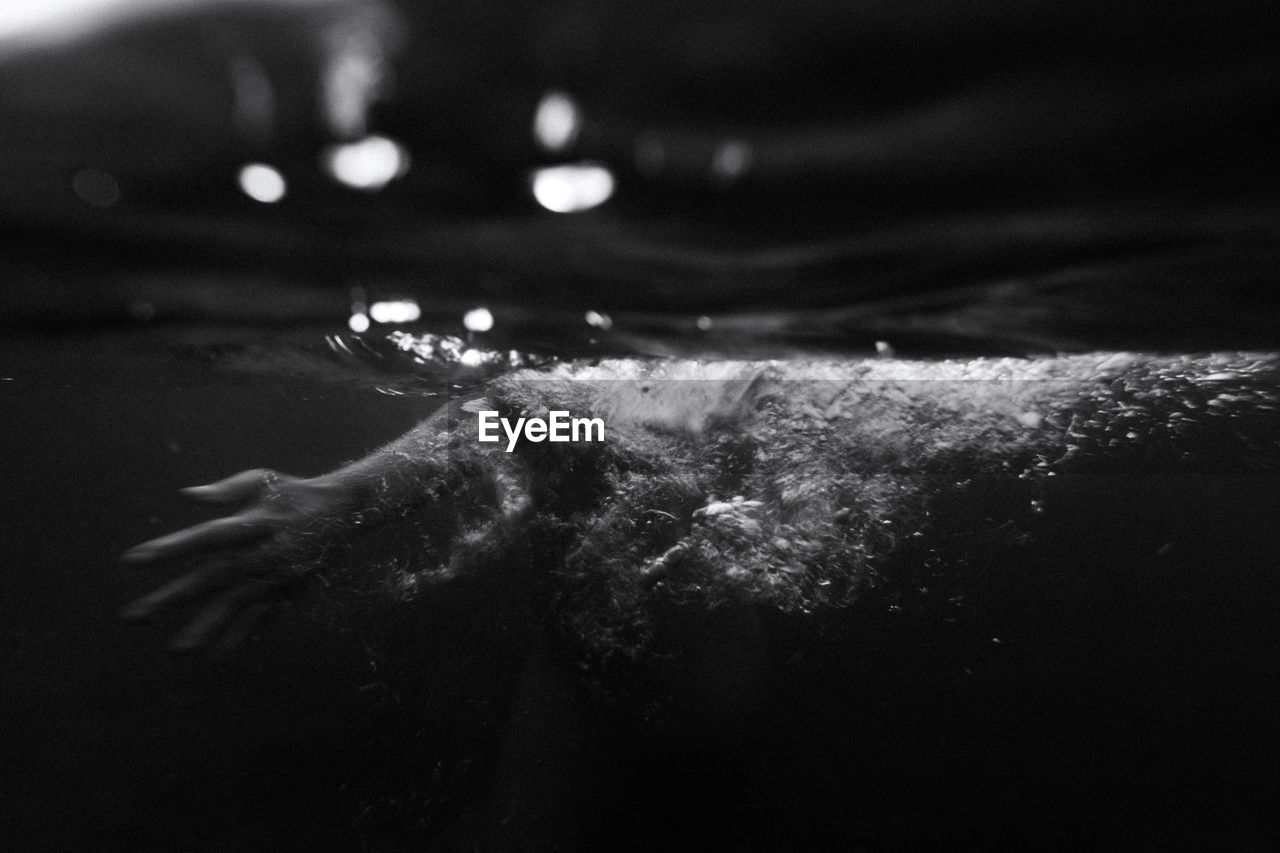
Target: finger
[(221, 612), (232, 530), (237, 488), (184, 588)]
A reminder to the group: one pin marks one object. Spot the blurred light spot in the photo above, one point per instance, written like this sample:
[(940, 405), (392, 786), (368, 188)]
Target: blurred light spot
[(369, 164), (731, 161), (359, 300), (599, 320), (254, 97), (355, 73), (651, 156), (359, 322), (142, 310), (261, 182), (557, 122), (572, 188), (24, 23), (472, 358), (95, 187), (395, 311), (703, 323), (884, 349), (478, 320)]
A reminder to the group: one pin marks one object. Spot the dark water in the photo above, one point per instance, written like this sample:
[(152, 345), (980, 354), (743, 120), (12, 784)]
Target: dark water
[(1120, 726), (109, 741)]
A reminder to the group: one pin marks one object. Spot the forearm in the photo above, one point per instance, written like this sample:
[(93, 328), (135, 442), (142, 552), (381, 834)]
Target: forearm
[(425, 464)]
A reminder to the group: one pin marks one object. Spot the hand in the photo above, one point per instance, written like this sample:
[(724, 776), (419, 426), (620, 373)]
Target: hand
[(247, 560)]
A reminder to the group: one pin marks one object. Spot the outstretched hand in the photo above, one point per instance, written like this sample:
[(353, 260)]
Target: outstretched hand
[(247, 561)]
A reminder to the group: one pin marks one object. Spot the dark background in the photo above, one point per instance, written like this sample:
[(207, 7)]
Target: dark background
[(1122, 154)]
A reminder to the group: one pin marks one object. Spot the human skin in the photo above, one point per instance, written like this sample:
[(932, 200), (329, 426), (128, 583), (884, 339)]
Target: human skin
[(815, 491)]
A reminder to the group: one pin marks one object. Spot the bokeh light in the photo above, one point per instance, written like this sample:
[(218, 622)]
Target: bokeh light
[(731, 161), (572, 187), (263, 183), (478, 320), (369, 164), (95, 187), (395, 311), (557, 122)]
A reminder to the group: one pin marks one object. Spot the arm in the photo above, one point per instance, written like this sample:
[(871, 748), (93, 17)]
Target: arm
[(279, 527), (834, 461)]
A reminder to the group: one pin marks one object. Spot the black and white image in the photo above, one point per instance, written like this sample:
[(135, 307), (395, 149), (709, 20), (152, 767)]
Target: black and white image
[(770, 425)]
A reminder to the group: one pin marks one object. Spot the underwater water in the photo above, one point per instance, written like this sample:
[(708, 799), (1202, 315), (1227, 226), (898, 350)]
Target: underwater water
[(109, 740), (1148, 721)]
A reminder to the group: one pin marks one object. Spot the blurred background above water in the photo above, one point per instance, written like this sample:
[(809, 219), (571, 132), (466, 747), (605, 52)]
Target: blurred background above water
[(989, 176)]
